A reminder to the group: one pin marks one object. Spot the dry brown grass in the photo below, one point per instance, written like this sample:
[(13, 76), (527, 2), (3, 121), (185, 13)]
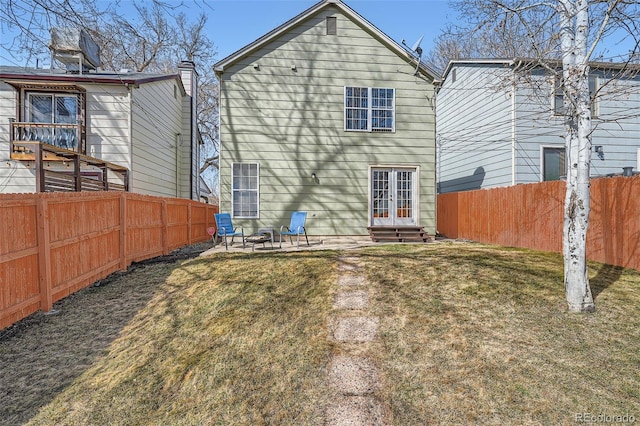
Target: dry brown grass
[(222, 340), (467, 334), (481, 334)]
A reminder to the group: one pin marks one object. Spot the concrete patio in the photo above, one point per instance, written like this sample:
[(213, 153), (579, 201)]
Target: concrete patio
[(315, 243)]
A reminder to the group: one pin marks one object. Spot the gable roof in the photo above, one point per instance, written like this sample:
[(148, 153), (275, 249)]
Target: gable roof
[(318, 7)]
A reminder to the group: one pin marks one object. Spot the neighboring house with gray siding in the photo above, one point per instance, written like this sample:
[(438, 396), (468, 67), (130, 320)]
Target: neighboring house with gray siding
[(498, 127), (127, 130), (327, 114)]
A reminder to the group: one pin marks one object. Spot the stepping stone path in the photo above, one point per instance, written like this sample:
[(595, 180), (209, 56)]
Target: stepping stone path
[(353, 378)]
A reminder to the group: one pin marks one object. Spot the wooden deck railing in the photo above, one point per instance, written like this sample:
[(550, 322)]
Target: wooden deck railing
[(61, 169), (67, 136), (52, 245)]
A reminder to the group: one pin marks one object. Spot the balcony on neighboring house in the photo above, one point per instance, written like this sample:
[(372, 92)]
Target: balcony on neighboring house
[(56, 151)]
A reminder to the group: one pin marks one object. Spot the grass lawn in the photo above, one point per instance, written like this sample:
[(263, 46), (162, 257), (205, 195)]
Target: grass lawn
[(468, 334), (481, 334)]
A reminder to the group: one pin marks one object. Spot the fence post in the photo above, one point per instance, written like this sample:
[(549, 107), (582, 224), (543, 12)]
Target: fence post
[(165, 228), (44, 255), (189, 240), (123, 231)]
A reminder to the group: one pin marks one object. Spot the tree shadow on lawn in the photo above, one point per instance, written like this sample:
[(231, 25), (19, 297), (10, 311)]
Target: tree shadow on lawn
[(606, 276), (44, 353), (506, 264)]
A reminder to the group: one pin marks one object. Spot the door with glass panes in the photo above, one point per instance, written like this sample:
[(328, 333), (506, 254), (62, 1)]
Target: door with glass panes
[(59, 110), (393, 196)]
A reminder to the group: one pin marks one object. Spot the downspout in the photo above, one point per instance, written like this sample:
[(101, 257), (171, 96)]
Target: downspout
[(513, 122), (177, 146), (130, 124), (437, 154), (513, 134), (438, 140), (193, 191)]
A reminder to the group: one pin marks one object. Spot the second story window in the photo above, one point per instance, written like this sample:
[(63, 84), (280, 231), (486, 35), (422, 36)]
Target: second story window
[(58, 110), (558, 97), (369, 109)]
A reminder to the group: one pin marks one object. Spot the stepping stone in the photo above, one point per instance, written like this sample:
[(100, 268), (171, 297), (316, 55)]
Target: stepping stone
[(356, 329), (353, 375), (358, 299), (351, 281), (355, 411)]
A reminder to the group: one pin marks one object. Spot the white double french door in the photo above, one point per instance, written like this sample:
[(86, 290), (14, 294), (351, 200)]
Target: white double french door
[(393, 196)]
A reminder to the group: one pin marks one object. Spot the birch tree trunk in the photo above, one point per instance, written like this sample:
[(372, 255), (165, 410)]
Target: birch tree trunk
[(577, 103)]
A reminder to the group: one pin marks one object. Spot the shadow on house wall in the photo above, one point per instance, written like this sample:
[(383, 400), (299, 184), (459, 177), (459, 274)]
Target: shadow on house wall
[(466, 183)]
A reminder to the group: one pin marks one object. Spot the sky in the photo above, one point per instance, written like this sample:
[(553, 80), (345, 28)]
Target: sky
[(235, 24), (232, 24)]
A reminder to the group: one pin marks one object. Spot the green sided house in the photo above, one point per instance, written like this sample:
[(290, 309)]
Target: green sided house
[(327, 114)]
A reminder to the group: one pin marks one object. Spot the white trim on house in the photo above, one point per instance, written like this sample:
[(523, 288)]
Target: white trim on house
[(415, 170), (234, 190), (549, 146), (370, 111)]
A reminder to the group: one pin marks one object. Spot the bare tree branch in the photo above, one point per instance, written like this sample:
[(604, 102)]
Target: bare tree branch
[(153, 38)]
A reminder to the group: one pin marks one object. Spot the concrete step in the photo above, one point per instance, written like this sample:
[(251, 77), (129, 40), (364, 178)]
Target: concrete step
[(399, 234)]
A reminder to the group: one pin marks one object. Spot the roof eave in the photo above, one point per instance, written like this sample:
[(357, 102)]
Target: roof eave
[(453, 62), (87, 78), (352, 14), (219, 66)]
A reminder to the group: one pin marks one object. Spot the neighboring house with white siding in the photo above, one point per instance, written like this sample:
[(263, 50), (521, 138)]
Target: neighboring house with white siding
[(327, 114), (500, 126), (62, 131)]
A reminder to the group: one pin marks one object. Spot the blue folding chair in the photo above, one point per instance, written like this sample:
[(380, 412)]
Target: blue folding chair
[(296, 227), (224, 229)]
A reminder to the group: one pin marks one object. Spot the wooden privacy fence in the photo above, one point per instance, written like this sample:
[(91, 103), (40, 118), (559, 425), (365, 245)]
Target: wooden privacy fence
[(532, 215), (54, 244)]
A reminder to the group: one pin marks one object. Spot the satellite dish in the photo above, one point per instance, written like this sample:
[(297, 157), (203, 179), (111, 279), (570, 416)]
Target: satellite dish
[(416, 46), (417, 51)]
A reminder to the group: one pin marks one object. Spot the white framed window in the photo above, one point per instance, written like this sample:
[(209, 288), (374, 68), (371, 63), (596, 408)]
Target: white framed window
[(244, 190), (554, 163), (369, 109)]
